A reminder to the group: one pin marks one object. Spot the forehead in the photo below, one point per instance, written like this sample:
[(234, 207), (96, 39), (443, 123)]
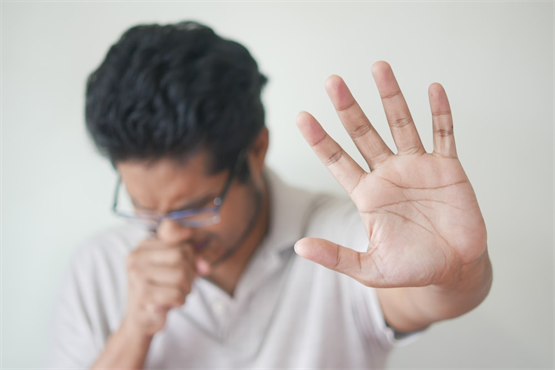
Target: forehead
[(167, 182)]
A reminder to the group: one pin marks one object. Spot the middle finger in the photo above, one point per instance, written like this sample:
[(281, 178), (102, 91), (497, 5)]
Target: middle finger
[(397, 112), (372, 147)]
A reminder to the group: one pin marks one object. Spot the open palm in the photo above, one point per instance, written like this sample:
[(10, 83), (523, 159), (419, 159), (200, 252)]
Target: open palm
[(419, 209)]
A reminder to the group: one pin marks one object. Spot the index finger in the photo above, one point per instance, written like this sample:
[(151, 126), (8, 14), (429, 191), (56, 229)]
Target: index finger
[(344, 168), (155, 252), (372, 147)]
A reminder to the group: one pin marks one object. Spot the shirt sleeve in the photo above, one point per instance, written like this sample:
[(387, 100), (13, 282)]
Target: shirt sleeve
[(368, 313)]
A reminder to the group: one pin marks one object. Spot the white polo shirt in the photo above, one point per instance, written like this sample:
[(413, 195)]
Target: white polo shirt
[(286, 312)]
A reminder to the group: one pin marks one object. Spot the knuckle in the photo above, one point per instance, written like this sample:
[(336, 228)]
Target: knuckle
[(444, 132), (360, 131), (441, 113), (402, 122), (333, 158), (443, 155), (391, 95), (346, 107), (411, 149)]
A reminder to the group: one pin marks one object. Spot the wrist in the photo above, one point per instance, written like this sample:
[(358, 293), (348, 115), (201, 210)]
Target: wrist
[(133, 332)]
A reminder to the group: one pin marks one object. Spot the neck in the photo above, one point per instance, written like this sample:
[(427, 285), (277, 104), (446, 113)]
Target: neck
[(226, 273)]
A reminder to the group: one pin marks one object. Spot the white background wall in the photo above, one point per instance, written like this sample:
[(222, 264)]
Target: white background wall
[(494, 59)]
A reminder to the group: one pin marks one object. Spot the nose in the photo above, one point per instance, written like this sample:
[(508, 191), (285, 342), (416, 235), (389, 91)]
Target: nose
[(171, 232)]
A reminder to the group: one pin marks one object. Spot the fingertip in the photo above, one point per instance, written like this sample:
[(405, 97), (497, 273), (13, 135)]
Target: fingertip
[(327, 254), (333, 82), (438, 98), (304, 120), (310, 128), (310, 248), (302, 117), (380, 66), (301, 248), (435, 88)]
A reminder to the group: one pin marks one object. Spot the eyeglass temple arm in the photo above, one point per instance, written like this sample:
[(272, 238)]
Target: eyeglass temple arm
[(234, 171), (116, 192)]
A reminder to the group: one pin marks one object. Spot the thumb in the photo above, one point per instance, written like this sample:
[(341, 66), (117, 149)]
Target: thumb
[(359, 266)]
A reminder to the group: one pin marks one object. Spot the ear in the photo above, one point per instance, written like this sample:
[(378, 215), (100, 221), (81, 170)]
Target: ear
[(258, 150)]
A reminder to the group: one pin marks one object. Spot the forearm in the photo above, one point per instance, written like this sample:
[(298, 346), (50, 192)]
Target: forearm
[(125, 349), (410, 309)]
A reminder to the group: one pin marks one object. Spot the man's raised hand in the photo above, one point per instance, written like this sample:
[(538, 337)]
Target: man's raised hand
[(419, 209)]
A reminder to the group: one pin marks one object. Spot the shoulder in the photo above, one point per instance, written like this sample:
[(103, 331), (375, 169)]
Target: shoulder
[(302, 213), (308, 204)]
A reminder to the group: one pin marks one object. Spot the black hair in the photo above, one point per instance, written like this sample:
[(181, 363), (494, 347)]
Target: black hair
[(168, 91)]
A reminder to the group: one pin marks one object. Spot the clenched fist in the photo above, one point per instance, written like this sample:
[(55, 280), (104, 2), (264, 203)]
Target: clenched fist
[(160, 278)]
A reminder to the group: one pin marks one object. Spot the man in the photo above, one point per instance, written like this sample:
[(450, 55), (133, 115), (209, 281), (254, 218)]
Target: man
[(209, 274)]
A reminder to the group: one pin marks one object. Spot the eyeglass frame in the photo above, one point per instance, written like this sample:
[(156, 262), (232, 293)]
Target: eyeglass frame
[(180, 216)]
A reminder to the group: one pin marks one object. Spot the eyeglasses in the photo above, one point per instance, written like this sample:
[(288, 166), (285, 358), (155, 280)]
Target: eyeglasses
[(187, 218)]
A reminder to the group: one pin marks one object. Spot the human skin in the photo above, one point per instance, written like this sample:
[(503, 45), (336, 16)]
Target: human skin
[(427, 237)]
